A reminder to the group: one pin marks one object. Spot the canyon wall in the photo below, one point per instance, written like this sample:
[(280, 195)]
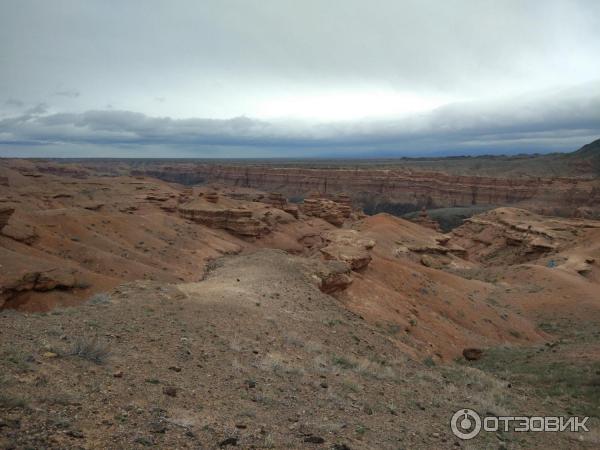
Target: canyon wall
[(376, 189)]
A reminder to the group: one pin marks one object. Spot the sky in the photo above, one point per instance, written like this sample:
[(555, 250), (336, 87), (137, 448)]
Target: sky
[(288, 78)]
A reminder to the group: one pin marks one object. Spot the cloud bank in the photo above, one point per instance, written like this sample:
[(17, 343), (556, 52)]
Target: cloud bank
[(289, 78), (557, 121)]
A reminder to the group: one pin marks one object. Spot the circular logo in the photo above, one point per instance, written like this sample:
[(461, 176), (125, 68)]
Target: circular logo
[(465, 424)]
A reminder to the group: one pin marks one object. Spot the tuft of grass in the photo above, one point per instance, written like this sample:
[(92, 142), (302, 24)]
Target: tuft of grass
[(576, 383), (344, 362), (429, 362), (9, 401), (99, 299), (89, 348), (20, 360)]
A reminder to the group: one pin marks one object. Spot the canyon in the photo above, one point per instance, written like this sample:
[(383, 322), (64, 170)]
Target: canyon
[(564, 184), (286, 297)]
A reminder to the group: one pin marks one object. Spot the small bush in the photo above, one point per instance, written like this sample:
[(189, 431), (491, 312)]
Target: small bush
[(344, 362), (99, 299), (90, 349), (10, 401)]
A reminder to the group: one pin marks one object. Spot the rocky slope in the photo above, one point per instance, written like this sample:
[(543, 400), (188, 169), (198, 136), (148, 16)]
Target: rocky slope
[(72, 238), (254, 356), (137, 313)]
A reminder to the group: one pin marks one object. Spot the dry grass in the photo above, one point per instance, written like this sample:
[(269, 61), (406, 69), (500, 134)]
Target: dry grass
[(89, 348), (12, 401)]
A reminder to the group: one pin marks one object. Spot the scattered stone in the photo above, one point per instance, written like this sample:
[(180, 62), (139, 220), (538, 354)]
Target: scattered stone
[(229, 441), (143, 440), (118, 374), (157, 427), (170, 391), (472, 354), (75, 433), (314, 439)]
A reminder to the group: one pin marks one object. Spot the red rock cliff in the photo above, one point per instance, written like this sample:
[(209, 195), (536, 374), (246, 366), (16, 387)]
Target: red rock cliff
[(433, 189)]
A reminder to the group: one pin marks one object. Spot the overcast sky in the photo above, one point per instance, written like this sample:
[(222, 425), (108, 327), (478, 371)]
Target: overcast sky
[(297, 78)]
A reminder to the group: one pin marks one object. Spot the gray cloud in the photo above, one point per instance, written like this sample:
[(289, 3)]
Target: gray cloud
[(69, 93), (562, 120), (14, 102), (515, 76)]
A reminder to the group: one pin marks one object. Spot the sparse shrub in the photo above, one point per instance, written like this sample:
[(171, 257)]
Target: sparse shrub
[(293, 339), (344, 362), (102, 298), (60, 398), (392, 408), (376, 370), (351, 385), (81, 284), (12, 401), (19, 359), (394, 328), (213, 264), (90, 349), (429, 362), (268, 441)]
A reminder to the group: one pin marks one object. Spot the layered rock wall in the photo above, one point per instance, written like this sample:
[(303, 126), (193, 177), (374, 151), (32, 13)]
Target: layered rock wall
[(238, 221), (400, 186)]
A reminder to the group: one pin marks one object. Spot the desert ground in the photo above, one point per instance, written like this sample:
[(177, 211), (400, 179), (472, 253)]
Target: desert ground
[(214, 305)]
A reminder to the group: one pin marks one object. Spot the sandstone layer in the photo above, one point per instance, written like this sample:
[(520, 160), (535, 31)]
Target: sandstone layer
[(404, 188)]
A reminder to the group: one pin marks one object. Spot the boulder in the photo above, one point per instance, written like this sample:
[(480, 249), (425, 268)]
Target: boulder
[(349, 247), (472, 354), (334, 276), (20, 231)]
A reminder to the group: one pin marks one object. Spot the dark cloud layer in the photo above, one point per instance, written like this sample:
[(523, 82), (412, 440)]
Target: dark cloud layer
[(275, 77), (561, 121)]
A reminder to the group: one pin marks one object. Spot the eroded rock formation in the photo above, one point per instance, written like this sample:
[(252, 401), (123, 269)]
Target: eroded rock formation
[(511, 235), (223, 215), (406, 188), (348, 246), (5, 213), (424, 220), (332, 211)]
